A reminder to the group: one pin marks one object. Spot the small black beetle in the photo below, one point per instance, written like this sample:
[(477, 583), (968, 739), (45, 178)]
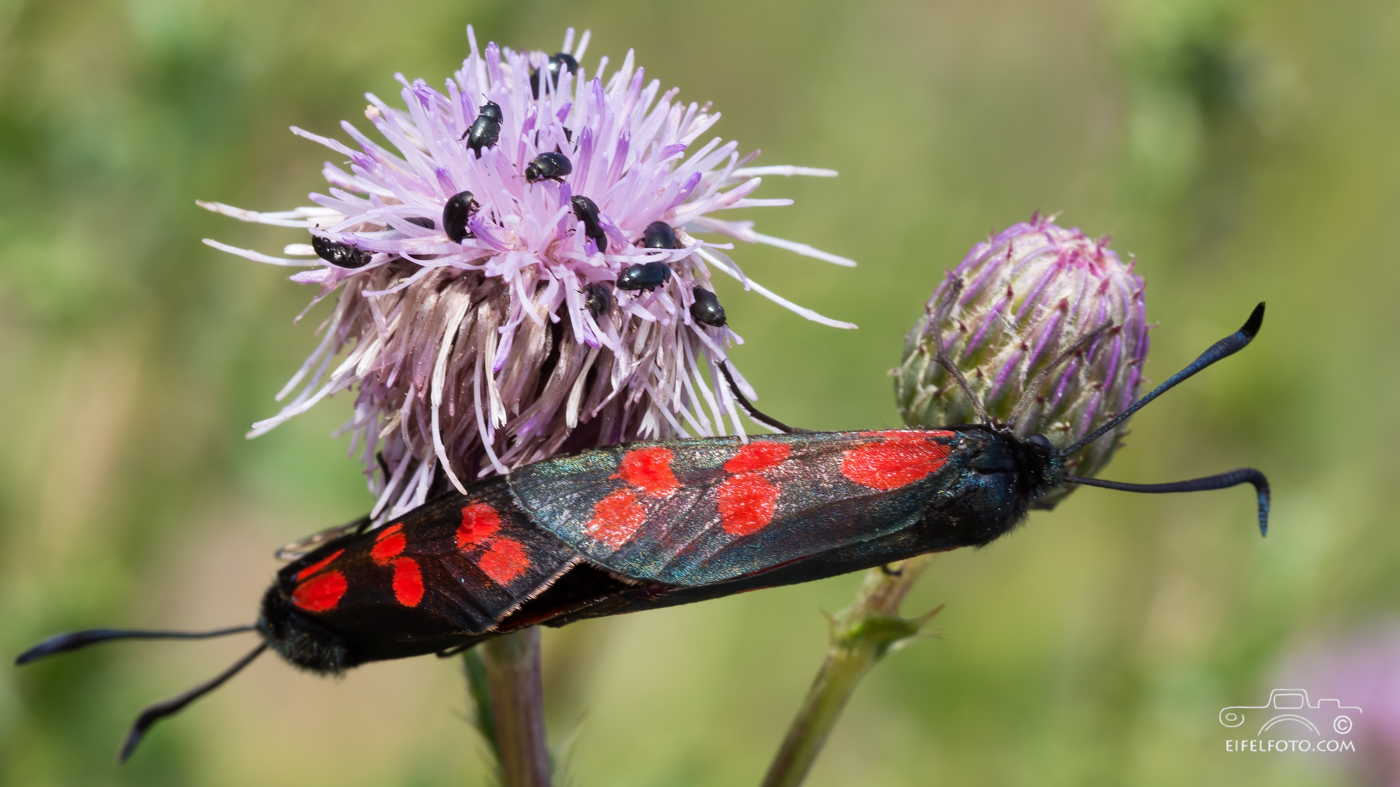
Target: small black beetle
[(422, 221), (548, 166), (706, 309), (587, 212), (459, 208), (486, 129), (659, 235), (558, 62), (597, 297), (339, 254), (490, 110), (643, 276)]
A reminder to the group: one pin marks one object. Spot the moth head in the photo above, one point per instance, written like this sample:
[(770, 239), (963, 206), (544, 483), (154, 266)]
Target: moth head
[(297, 638)]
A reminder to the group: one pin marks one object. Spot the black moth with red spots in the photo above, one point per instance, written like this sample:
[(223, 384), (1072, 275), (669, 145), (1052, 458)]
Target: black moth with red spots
[(639, 526), (647, 525)]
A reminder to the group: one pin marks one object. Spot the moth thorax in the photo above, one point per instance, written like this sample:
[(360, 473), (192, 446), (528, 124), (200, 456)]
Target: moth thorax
[(1039, 464)]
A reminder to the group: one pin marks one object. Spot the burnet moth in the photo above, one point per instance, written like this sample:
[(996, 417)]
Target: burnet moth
[(647, 525)]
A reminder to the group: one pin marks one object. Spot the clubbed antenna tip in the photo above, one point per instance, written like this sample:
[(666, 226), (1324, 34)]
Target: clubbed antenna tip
[(1222, 349), (1255, 321), (1244, 475)]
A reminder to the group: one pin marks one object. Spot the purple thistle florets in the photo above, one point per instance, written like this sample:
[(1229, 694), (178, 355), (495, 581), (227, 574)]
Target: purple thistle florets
[(1019, 302), (505, 291)]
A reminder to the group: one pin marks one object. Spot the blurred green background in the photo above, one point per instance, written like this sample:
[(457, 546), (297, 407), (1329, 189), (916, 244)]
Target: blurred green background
[(1244, 151)]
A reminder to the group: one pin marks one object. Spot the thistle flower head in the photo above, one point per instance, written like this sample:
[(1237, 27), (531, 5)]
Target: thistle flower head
[(1014, 307), (503, 288)]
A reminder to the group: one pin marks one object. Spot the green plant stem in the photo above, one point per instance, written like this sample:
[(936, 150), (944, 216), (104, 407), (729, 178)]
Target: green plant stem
[(861, 635), (511, 665)]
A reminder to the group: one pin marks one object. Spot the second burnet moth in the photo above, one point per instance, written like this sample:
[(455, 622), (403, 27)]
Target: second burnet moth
[(647, 525)]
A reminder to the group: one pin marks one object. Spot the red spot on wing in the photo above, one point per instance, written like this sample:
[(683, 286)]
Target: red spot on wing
[(896, 462), (649, 469), (746, 503), (616, 518), (320, 593), (504, 561), (389, 544), (479, 523), (758, 456), (408, 582), (318, 565)]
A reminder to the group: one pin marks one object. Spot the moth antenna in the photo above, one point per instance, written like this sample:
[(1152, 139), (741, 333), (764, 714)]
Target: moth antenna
[(944, 309), (1244, 475), (754, 412), (1222, 349), (169, 707), (63, 643), (1041, 376)]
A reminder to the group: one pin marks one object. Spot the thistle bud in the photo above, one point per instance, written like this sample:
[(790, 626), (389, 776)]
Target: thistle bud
[(1009, 317)]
